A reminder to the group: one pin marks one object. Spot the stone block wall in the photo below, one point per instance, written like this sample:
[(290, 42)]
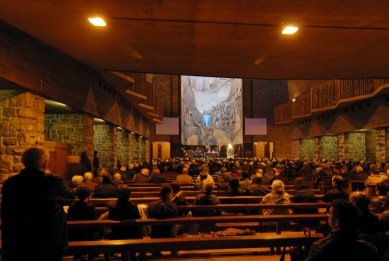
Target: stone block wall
[(142, 149), (307, 149), (316, 148), (148, 150), (387, 144), (123, 143), (105, 141), (370, 142), (74, 129), (329, 147), (21, 127), (381, 145), (342, 146), (295, 149), (134, 147), (355, 146)]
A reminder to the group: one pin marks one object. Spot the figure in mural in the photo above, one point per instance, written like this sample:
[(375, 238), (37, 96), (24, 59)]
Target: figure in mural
[(212, 111)]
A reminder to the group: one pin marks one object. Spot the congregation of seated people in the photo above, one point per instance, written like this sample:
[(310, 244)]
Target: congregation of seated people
[(242, 177)]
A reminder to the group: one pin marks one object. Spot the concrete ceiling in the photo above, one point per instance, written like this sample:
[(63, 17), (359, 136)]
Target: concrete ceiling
[(337, 39)]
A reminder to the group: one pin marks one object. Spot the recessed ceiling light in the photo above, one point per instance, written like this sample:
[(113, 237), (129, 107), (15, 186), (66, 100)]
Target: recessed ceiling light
[(55, 103), (290, 29), (294, 99), (97, 21), (98, 120)]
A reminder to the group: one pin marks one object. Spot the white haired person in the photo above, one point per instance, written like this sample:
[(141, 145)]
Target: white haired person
[(76, 181), (203, 177), (31, 207), (117, 178), (276, 196), (88, 176)]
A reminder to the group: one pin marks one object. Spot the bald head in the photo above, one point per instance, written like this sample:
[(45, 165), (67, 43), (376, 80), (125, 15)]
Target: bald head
[(145, 172)]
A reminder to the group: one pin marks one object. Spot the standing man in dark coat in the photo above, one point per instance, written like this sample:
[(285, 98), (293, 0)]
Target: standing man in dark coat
[(33, 220), (96, 162)]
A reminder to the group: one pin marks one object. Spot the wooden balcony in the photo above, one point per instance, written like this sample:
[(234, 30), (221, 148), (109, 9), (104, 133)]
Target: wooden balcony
[(328, 95)]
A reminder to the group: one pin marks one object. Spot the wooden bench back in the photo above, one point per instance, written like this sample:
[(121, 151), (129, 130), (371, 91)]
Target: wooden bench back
[(223, 200)]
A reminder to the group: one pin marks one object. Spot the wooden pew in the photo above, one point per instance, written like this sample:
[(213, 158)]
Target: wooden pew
[(198, 220), (223, 200), (243, 207), (191, 243), (187, 186), (139, 194)]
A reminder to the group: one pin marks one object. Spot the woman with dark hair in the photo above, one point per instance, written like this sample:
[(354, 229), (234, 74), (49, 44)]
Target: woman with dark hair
[(123, 209), (82, 210), (234, 189)]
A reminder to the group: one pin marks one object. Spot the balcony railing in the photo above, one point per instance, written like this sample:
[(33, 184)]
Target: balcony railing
[(302, 106), (327, 95)]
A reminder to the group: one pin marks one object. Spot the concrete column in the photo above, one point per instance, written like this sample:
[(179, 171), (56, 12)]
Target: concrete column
[(21, 127)]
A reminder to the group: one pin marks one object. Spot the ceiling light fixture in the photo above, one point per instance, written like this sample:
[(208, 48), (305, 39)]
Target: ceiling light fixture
[(97, 21), (98, 120), (290, 29)]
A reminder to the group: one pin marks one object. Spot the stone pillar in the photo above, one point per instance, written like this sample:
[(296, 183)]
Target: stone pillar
[(21, 127), (316, 148), (105, 143), (115, 147), (307, 149), (148, 150), (387, 144), (342, 146), (123, 145), (134, 148), (329, 147), (380, 146), (140, 148), (295, 149), (356, 146), (74, 129), (130, 148), (371, 145)]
